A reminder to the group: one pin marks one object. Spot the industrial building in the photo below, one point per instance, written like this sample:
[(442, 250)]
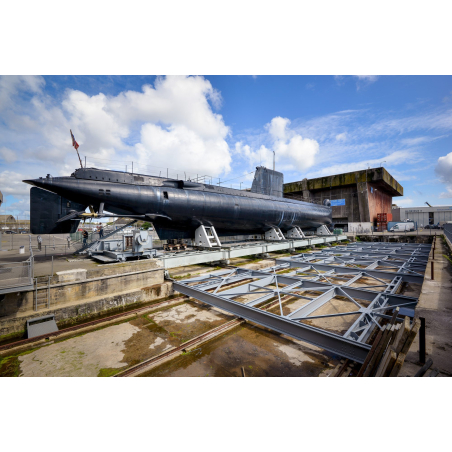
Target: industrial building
[(356, 197), (7, 222), (423, 215)]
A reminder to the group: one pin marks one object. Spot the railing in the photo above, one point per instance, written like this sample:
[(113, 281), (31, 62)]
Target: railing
[(17, 275), (297, 197), (448, 231), (14, 275), (385, 233)]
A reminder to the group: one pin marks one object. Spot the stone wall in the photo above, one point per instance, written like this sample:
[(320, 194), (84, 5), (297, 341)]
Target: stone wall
[(85, 309), (98, 284)]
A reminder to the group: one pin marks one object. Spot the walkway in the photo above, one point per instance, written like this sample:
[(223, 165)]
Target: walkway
[(435, 305)]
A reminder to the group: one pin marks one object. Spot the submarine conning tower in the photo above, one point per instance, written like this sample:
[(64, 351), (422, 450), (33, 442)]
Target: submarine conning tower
[(268, 182)]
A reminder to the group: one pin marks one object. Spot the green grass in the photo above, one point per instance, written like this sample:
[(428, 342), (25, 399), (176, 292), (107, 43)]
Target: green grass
[(12, 337), (9, 366), (108, 372), (188, 275)]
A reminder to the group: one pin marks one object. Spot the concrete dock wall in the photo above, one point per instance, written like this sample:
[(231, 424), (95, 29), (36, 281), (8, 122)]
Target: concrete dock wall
[(84, 310), (86, 286)]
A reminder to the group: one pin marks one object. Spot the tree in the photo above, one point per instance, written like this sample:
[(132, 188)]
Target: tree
[(146, 225)]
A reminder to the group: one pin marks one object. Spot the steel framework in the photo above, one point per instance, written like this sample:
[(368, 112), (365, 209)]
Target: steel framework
[(328, 274)]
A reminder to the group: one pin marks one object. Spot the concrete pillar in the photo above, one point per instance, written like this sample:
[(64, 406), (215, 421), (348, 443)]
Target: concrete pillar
[(363, 202), (304, 186)]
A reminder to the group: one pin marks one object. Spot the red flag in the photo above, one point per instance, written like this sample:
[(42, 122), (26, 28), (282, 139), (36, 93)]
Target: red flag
[(74, 143)]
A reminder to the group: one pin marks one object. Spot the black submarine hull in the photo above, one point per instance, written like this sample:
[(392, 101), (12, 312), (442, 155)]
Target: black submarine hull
[(189, 205)]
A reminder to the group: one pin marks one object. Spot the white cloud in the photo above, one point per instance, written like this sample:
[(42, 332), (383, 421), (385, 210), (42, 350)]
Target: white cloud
[(364, 80), (174, 115), (395, 158), (339, 79), (446, 194), (404, 202), (361, 80), (291, 148), (11, 184), (292, 151), (7, 155), (448, 98), (261, 156), (12, 85), (341, 136), (173, 120), (20, 208), (443, 170), (367, 78), (182, 148), (420, 140)]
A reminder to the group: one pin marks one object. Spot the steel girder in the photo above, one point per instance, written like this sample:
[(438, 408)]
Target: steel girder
[(261, 285), (335, 343), (407, 276)]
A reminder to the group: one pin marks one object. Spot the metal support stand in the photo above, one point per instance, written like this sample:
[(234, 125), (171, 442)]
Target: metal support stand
[(295, 233), (323, 230), (207, 237), (274, 234)]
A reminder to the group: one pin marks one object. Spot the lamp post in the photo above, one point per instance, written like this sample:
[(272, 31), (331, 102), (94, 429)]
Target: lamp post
[(381, 163)]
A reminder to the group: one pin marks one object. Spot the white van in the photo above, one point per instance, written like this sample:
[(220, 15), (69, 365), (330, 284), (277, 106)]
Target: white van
[(402, 227)]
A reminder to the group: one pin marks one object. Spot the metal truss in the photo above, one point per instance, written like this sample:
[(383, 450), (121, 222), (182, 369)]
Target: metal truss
[(242, 292)]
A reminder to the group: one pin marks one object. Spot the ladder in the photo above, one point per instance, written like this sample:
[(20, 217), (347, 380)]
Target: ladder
[(42, 294)]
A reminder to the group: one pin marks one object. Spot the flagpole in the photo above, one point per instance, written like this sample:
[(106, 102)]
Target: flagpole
[(80, 160), (76, 150)]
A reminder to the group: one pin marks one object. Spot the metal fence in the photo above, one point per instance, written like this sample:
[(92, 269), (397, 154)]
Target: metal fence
[(448, 231), (16, 275)]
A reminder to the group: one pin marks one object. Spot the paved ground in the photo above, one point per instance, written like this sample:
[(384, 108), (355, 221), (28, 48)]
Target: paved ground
[(64, 260), (106, 351), (260, 352), (435, 305)]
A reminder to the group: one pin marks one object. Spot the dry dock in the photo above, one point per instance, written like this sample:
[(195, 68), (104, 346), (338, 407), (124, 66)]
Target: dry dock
[(182, 337)]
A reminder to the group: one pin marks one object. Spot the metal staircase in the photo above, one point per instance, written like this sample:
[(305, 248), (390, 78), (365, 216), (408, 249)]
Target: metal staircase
[(90, 247)]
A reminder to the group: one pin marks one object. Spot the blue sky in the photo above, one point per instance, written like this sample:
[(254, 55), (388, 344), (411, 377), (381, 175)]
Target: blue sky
[(223, 126)]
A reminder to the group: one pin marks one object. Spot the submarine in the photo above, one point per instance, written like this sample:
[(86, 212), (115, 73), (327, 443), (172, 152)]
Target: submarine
[(177, 208)]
